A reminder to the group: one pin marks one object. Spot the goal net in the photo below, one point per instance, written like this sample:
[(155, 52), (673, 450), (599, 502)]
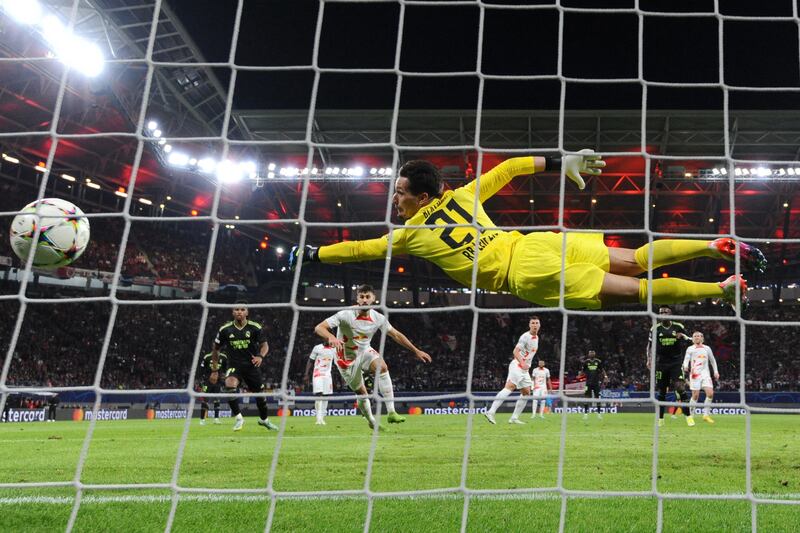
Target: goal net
[(198, 171)]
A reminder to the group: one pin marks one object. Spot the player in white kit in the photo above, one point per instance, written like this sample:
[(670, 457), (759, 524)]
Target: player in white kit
[(321, 359), (518, 375), (355, 328), (697, 360), (542, 386)]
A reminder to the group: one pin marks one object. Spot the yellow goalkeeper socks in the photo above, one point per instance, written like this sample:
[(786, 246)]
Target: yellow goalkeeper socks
[(670, 251), (676, 290)]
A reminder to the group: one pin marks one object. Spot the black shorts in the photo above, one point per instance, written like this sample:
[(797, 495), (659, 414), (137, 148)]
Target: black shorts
[(247, 374), (667, 376), (592, 388), (216, 388)]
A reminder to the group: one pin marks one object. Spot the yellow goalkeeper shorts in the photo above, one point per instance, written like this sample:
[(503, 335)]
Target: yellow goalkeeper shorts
[(535, 271)]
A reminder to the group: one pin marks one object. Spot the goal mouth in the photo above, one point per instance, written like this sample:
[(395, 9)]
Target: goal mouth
[(203, 179)]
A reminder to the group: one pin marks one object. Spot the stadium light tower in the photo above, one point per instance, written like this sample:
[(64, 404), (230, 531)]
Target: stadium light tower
[(76, 52), (23, 11)]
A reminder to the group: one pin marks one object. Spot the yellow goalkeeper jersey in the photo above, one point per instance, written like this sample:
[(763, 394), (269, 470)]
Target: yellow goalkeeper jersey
[(453, 249)]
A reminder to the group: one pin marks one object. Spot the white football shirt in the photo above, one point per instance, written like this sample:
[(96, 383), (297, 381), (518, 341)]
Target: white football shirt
[(699, 358), (528, 344), (356, 331), (323, 357), (540, 377)]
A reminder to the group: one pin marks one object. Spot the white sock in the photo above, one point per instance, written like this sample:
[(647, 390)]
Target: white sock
[(498, 400), (707, 403), (318, 408), (239, 416), (519, 407), (365, 407), (387, 391), (533, 409), (323, 408), (692, 403)]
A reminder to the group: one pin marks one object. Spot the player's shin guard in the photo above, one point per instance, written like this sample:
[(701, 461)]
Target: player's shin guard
[(498, 400), (203, 410), (670, 251), (519, 407), (535, 402), (365, 406), (692, 404), (319, 409), (261, 403), (234, 403), (685, 398), (661, 395), (323, 408), (707, 406), (387, 391), (676, 291)]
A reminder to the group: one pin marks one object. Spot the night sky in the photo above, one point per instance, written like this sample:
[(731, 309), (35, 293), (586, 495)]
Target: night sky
[(516, 42)]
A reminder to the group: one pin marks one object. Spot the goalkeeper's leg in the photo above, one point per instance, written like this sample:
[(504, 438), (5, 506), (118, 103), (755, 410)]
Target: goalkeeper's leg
[(618, 289), (629, 262)]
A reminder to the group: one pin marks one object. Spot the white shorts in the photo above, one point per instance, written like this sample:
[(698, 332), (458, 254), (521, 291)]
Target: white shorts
[(353, 373), (323, 385), (520, 378), (540, 393), (702, 382)]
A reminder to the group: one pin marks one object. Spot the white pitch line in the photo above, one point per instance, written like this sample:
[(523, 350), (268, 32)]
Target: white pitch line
[(157, 498)]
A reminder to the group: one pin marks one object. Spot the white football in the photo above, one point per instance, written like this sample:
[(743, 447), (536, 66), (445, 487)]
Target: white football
[(63, 237)]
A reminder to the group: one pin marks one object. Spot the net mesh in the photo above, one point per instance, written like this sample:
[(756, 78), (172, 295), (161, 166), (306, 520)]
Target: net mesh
[(103, 393)]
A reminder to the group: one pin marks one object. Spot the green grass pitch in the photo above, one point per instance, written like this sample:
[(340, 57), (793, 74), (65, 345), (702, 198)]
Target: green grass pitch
[(424, 453)]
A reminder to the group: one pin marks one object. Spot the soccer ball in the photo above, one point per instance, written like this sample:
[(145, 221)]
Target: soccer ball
[(62, 239)]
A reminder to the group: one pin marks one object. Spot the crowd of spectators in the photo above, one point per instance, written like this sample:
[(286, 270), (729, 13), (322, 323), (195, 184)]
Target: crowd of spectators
[(178, 250), (152, 346)]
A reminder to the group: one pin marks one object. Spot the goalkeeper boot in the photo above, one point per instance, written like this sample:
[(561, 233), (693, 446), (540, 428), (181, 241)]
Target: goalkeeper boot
[(267, 424), (217, 421), (708, 419), (729, 288), (690, 421), (751, 257), (661, 422), (239, 424), (202, 421), (394, 418), (490, 418)]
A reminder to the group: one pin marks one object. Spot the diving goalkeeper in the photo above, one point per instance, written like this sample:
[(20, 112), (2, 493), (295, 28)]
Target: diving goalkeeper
[(529, 265)]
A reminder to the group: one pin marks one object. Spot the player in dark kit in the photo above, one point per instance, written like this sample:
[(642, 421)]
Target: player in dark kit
[(209, 386), (668, 336), (595, 376), (245, 342)]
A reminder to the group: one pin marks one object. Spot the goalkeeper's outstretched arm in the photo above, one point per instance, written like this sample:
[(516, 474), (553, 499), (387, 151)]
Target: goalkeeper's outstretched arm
[(420, 183)]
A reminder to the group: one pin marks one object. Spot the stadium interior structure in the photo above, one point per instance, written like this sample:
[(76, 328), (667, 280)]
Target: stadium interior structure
[(349, 172), (252, 179)]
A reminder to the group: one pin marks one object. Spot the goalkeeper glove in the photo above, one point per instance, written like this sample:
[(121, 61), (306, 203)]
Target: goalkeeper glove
[(307, 254), (588, 163)]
